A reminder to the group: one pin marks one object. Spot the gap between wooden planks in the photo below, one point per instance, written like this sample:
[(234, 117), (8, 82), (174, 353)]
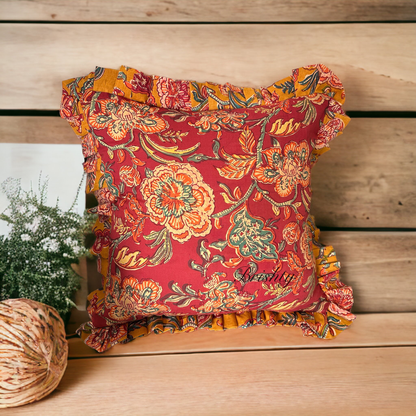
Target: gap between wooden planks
[(356, 381), (364, 56)]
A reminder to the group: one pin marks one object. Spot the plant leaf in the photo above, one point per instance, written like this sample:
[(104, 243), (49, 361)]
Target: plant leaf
[(286, 129), (237, 166)]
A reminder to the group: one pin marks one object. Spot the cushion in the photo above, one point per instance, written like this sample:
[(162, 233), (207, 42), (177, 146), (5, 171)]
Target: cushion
[(203, 197)]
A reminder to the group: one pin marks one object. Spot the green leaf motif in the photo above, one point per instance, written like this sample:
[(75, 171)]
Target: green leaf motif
[(122, 75), (182, 298), (219, 245), (148, 172), (164, 252), (196, 266), (204, 252), (189, 290), (216, 258), (198, 157), (216, 148), (251, 237)]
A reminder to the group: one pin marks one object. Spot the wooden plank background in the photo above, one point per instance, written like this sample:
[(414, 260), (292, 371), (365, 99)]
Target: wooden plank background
[(40, 56), (368, 178), (379, 266), (354, 381)]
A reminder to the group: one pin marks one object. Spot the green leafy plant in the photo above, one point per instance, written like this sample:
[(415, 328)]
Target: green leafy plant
[(36, 256)]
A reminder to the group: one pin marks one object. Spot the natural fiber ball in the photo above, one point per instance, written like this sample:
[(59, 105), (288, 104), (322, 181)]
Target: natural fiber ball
[(33, 351)]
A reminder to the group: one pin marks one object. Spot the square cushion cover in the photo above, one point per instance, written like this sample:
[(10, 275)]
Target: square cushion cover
[(203, 197)]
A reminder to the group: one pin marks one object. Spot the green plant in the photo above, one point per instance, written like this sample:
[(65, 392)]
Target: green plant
[(36, 256)]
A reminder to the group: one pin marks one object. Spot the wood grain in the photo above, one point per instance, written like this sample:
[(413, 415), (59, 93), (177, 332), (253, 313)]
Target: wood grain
[(208, 11), (368, 179), (377, 74), (47, 130), (362, 381), (368, 330), (380, 267)]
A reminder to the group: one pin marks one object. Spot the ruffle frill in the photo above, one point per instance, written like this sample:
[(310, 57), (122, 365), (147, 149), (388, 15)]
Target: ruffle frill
[(323, 319)]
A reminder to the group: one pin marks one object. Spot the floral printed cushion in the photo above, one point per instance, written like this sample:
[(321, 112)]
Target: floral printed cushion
[(203, 203)]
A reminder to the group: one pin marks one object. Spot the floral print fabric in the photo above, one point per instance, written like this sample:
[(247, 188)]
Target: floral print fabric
[(203, 197)]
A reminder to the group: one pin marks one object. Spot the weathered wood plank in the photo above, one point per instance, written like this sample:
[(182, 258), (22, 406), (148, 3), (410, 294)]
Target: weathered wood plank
[(208, 11), (368, 179), (380, 77), (380, 266), (47, 130), (362, 381), (368, 330)]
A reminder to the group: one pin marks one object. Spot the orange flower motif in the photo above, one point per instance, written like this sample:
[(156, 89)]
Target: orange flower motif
[(223, 295), (104, 338), (102, 240), (215, 120), (174, 94), (326, 75), (225, 88), (336, 310), (327, 132), (120, 118), (137, 298), (141, 83), (135, 219), (306, 246), (269, 98), (294, 261), (68, 111), (317, 98), (291, 233), (341, 296), (177, 198), (130, 176), (285, 170), (89, 145), (104, 196), (143, 293), (105, 201)]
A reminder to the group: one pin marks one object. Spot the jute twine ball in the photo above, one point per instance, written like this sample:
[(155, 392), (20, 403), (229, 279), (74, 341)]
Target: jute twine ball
[(33, 351)]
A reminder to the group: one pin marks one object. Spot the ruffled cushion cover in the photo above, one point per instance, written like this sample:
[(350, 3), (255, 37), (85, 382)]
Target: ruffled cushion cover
[(203, 203)]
